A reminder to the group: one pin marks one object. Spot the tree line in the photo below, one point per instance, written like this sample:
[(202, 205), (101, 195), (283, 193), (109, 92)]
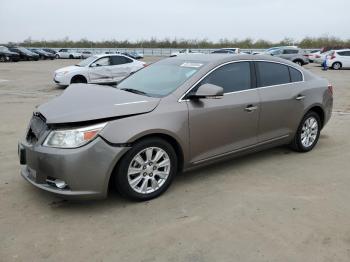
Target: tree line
[(248, 43)]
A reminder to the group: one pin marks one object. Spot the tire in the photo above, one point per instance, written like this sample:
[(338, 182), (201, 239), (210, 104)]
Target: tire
[(298, 62), (78, 80), (71, 56), (57, 56), (336, 66), (2, 58), (307, 134), (148, 183)]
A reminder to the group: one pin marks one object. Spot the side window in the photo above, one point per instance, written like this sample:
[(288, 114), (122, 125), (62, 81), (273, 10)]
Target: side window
[(341, 53), (290, 51), (231, 77), (295, 75), (104, 61), (119, 60), (272, 74)]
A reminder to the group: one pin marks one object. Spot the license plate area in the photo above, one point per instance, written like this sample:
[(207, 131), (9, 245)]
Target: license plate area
[(22, 155)]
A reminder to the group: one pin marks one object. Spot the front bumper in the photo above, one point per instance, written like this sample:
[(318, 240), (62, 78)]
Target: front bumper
[(61, 80), (85, 170)]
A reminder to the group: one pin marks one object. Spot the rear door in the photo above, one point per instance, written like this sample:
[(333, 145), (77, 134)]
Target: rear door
[(121, 67), (224, 125), (281, 98), (100, 70), (289, 54), (345, 58)]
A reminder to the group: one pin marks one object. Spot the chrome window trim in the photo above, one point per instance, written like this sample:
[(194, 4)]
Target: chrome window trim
[(240, 91)]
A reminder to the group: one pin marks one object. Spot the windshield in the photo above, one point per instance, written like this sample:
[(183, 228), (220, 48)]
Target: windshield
[(3, 48), (160, 79), (87, 61), (26, 51)]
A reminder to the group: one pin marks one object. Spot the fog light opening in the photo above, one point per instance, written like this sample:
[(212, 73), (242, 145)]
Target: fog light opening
[(56, 183)]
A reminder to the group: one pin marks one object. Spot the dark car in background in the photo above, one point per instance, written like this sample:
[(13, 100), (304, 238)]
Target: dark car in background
[(43, 54), (7, 55), (227, 51), (134, 55), (24, 53), (49, 50)]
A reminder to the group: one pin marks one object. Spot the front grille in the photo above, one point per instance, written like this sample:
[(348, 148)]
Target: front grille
[(37, 128)]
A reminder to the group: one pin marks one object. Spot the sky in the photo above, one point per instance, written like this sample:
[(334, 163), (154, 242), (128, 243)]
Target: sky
[(100, 20)]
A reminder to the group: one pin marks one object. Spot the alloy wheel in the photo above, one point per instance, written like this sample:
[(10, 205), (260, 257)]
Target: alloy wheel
[(149, 170), (309, 132)]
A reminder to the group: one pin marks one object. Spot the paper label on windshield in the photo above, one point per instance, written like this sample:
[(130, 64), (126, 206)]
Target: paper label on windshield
[(192, 65)]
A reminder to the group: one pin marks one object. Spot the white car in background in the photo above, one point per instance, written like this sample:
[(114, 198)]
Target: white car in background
[(98, 69), (320, 57), (338, 59), (184, 52), (311, 54), (67, 53)]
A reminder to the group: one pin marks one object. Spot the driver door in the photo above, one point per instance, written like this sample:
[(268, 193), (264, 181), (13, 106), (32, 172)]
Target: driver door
[(100, 71), (230, 123)]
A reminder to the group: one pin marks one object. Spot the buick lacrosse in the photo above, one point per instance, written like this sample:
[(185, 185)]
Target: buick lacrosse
[(172, 116)]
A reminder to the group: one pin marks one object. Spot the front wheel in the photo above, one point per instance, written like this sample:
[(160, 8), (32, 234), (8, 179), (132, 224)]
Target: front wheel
[(308, 133), (3, 58), (146, 170), (336, 66)]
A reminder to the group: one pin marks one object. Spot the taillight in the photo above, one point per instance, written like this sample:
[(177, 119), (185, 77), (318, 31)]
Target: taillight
[(330, 89)]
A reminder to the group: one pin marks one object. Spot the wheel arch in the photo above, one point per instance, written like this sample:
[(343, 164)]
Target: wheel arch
[(341, 64), (78, 76), (163, 135), (318, 110)]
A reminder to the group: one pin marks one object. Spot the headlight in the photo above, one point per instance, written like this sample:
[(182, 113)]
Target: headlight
[(62, 73), (72, 138)]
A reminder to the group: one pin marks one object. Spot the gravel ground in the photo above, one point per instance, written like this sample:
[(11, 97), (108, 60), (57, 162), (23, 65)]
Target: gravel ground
[(275, 205)]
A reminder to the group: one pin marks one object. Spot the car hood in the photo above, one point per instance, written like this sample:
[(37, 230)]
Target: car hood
[(85, 102), (68, 68)]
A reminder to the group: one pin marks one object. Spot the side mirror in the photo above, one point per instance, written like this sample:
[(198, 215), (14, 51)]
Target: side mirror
[(208, 91), (95, 65)]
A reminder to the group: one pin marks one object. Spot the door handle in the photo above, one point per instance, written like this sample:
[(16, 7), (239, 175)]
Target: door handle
[(251, 108), (300, 97)]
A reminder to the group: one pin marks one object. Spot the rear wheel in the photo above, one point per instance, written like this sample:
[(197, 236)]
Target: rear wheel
[(336, 66), (146, 170), (2, 58), (71, 56), (308, 133), (298, 62)]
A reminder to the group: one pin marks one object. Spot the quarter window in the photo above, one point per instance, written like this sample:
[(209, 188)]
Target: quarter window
[(231, 77), (295, 75), (272, 74)]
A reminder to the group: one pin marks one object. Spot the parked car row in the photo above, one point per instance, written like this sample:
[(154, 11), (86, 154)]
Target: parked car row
[(17, 53)]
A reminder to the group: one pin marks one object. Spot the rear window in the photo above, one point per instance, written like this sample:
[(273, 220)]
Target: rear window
[(270, 74)]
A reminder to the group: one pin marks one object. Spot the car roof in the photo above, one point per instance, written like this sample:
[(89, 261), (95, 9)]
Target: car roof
[(223, 58), (105, 55), (341, 50)]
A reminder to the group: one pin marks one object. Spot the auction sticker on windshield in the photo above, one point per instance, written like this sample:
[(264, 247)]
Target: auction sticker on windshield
[(193, 65)]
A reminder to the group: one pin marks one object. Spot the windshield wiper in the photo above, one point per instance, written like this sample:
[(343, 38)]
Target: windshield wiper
[(135, 91)]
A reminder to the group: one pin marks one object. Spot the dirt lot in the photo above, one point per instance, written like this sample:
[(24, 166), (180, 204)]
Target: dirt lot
[(275, 205)]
